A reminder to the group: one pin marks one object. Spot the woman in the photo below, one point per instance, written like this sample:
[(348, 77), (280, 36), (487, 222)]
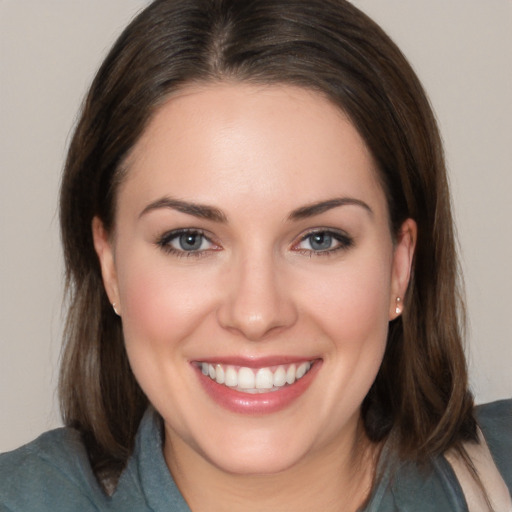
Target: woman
[(264, 306)]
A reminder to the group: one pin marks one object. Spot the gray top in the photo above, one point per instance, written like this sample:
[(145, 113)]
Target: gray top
[(53, 474)]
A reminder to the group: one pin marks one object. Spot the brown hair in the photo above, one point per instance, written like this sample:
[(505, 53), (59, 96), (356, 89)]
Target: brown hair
[(325, 45)]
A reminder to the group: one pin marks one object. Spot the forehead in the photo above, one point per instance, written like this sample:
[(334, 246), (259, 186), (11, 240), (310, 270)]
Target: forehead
[(262, 143)]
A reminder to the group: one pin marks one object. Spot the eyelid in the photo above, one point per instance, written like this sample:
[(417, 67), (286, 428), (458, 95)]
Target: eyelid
[(345, 241), (164, 242)]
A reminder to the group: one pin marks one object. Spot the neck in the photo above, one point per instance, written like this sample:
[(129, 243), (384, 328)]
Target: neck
[(337, 477)]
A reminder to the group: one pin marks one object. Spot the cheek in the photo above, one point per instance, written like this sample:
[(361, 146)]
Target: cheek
[(161, 307), (353, 302), (354, 318), (161, 304)]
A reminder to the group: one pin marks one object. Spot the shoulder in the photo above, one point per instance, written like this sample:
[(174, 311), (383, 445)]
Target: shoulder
[(50, 473), (495, 420), (426, 489), (436, 487), (406, 485)]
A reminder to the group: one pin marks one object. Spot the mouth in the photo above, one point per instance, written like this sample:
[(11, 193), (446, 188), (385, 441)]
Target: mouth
[(256, 387), (255, 380)]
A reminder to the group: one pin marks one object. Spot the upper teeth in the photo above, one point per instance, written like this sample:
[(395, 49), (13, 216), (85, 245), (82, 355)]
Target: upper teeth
[(259, 380)]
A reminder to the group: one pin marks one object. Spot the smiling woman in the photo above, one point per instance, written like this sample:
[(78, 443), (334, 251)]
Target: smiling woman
[(263, 282), (286, 307)]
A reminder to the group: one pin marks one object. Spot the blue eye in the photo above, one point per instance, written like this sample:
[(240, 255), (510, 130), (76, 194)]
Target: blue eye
[(321, 241), (188, 241), (185, 242), (324, 242)]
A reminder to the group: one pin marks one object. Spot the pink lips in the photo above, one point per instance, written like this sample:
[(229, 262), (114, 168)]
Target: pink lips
[(260, 403)]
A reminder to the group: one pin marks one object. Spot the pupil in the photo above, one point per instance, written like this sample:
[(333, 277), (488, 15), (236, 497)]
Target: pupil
[(321, 241), (190, 242)]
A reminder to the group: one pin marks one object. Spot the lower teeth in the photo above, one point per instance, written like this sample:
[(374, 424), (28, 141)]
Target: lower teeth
[(254, 391)]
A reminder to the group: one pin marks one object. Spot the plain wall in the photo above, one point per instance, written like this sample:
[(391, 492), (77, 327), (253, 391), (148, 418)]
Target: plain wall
[(49, 51)]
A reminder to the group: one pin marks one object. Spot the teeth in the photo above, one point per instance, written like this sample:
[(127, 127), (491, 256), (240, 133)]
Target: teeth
[(290, 374), (301, 370), (280, 377), (246, 378), (219, 374), (231, 377), (262, 380)]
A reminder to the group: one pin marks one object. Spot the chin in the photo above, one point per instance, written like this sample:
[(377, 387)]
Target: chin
[(257, 462), (258, 451)]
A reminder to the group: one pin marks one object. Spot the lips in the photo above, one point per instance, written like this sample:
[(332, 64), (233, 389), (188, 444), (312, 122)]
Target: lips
[(249, 388)]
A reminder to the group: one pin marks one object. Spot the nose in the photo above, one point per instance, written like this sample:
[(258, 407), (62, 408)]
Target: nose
[(257, 300)]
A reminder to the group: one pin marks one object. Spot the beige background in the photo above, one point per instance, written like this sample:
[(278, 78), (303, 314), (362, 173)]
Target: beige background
[(49, 50)]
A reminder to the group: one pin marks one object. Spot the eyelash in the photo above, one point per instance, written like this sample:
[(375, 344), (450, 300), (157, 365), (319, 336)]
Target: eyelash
[(165, 240), (345, 242)]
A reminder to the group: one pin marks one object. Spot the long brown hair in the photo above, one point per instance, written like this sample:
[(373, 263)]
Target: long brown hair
[(328, 46)]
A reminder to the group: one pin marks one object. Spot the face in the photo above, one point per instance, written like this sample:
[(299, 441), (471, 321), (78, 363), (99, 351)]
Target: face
[(255, 274)]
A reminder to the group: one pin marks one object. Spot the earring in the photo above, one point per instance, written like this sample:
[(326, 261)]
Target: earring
[(398, 309), (114, 308)]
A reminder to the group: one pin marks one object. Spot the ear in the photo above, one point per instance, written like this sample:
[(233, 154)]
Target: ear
[(402, 265), (104, 250)]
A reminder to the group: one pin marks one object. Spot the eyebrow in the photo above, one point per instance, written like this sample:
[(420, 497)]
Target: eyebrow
[(311, 210), (212, 213), (201, 211)]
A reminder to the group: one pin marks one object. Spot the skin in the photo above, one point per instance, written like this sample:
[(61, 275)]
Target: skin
[(257, 288)]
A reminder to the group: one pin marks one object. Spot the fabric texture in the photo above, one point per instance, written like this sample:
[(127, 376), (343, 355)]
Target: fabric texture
[(53, 474)]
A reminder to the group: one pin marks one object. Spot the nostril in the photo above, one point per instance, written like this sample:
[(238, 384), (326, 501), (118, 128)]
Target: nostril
[(255, 326), (255, 301)]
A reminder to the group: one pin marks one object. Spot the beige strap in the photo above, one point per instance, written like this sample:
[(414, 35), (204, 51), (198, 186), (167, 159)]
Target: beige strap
[(496, 488)]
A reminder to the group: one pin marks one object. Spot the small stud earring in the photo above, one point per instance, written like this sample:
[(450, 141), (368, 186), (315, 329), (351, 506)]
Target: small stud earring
[(398, 309), (115, 309)]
